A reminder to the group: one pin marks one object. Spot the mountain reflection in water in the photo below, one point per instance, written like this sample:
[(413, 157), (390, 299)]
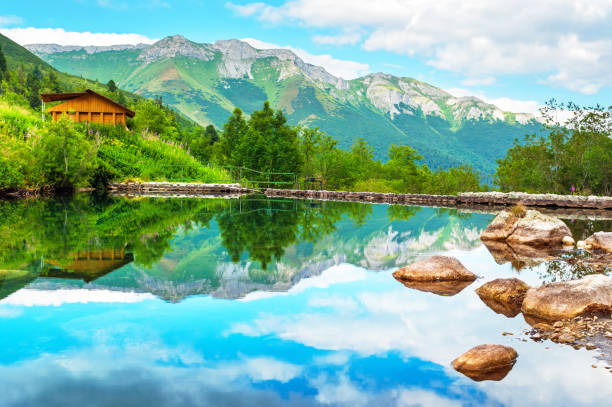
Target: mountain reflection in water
[(225, 247), (248, 302)]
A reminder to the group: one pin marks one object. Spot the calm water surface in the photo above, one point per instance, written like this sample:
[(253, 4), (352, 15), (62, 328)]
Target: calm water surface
[(255, 302)]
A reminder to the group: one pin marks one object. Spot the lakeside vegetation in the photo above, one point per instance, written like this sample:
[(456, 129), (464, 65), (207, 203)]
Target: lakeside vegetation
[(262, 149)]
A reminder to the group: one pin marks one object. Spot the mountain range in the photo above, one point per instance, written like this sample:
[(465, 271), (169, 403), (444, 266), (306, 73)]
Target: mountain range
[(206, 81)]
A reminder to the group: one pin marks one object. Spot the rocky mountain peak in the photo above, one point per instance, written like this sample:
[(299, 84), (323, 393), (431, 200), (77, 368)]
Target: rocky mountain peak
[(174, 46), (40, 49)]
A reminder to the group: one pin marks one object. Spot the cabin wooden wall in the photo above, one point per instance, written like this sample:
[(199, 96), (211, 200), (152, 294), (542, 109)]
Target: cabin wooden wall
[(89, 108)]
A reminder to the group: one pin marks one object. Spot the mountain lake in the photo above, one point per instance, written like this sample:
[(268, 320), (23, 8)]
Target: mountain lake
[(113, 301)]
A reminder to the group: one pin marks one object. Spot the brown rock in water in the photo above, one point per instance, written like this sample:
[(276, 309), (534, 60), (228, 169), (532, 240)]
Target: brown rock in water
[(500, 228), (445, 288), (600, 241), (569, 299), (504, 295), (486, 362), (435, 268), (533, 229)]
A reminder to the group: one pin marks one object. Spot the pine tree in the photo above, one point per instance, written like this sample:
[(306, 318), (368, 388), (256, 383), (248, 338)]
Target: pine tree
[(3, 67), (111, 86)]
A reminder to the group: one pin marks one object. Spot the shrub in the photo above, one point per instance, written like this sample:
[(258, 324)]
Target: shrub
[(518, 210), (65, 157)]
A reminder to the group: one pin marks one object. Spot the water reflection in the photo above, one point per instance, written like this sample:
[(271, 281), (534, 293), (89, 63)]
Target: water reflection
[(227, 247), (100, 307)]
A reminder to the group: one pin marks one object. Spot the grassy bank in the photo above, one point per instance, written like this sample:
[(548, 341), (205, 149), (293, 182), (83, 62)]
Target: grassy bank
[(64, 156)]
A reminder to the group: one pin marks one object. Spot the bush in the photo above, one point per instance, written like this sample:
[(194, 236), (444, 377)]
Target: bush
[(65, 157)]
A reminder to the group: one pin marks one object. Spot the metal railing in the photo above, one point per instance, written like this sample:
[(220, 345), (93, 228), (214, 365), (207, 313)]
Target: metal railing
[(247, 177)]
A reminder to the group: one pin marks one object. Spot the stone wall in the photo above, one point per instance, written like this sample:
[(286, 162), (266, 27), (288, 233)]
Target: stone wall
[(169, 188), (462, 199)]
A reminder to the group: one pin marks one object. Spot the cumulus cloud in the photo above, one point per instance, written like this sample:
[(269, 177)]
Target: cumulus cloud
[(565, 42), (337, 67), (31, 35)]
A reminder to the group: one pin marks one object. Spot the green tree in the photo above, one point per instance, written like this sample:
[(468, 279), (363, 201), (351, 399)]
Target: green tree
[(33, 82), (65, 157), (53, 82), (111, 86), (573, 157), (150, 117), (3, 67), (234, 131)]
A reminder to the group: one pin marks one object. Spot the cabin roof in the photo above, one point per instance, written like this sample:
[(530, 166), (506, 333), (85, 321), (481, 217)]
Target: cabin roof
[(56, 97)]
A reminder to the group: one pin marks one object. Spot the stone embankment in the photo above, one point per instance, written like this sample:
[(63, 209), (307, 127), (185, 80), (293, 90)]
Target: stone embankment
[(462, 199), (173, 188)]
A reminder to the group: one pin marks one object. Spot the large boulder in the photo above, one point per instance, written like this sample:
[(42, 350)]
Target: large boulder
[(533, 228), (486, 362), (568, 299), (435, 268), (504, 295), (600, 241)]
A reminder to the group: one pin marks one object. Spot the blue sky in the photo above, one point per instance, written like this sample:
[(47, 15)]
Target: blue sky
[(516, 57)]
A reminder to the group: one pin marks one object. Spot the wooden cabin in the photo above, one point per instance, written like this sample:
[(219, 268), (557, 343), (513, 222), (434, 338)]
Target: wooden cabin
[(89, 265), (88, 106)]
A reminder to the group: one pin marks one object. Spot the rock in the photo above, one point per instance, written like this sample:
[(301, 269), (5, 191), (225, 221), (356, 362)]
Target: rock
[(534, 229), (500, 227), (568, 299), (581, 244), (566, 338), (504, 295), (444, 288), (600, 241), (568, 241), (435, 268), (486, 362)]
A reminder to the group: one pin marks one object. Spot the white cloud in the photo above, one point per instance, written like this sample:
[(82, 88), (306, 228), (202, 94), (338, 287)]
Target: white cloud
[(10, 20), (337, 67), (565, 42), (488, 80), (347, 38), (44, 298), (31, 35)]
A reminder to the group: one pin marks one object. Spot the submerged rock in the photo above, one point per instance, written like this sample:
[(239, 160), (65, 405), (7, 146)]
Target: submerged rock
[(534, 229), (444, 288), (435, 268), (600, 241), (568, 299), (504, 295), (486, 362)]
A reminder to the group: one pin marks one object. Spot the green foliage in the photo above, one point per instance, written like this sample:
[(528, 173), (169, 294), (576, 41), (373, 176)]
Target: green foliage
[(202, 143), (111, 86), (64, 155), (572, 158), (151, 117), (2, 63), (263, 144)]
